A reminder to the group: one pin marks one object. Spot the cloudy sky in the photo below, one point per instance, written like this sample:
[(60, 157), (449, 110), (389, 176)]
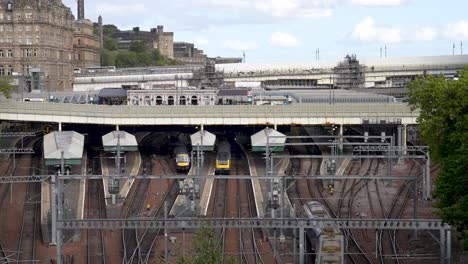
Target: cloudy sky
[(292, 30)]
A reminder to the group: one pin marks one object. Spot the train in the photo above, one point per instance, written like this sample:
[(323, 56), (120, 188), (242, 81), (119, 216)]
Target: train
[(326, 243), (182, 158), (223, 158)]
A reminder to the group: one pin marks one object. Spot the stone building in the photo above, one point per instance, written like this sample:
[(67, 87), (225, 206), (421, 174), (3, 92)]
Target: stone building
[(164, 42), (86, 43), (186, 53), (36, 43), (156, 39)]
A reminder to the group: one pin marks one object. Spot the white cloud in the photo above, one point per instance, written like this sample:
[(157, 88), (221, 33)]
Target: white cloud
[(423, 34), (201, 41), (115, 9), (366, 31), (285, 40), (457, 30), (279, 9), (237, 45), (379, 2)]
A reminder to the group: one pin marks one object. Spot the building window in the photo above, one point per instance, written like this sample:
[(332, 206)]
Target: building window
[(28, 40), (28, 15), (28, 28), (78, 55), (79, 41), (28, 69), (8, 17), (9, 28), (1, 39), (35, 52), (1, 54), (1, 16), (1, 27), (10, 54), (37, 27), (20, 40), (2, 70), (9, 39), (38, 39), (10, 70), (28, 53)]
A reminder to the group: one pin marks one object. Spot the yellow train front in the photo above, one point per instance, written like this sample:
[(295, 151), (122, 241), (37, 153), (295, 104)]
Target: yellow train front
[(223, 158), (182, 159)]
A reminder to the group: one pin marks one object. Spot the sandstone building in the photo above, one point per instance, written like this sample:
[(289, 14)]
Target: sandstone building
[(86, 44), (36, 43), (156, 39)]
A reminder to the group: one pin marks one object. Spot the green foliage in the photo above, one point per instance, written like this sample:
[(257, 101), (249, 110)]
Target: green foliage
[(5, 86), (107, 58), (206, 249), (138, 54), (443, 121), (138, 46)]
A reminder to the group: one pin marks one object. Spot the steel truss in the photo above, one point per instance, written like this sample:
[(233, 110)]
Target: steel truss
[(17, 151), (421, 149), (41, 178), (194, 223), (17, 134)]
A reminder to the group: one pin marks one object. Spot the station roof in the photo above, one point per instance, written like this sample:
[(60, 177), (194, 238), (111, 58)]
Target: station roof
[(323, 65), (127, 142), (113, 92), (208, 143), (70, 142), (259, 140)]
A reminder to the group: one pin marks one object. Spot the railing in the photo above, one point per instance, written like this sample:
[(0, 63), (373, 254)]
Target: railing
[(370, 111)]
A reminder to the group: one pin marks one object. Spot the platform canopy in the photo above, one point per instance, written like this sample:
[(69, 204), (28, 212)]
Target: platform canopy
[(259, 140), (127, 141), (69, 142), (208, 140)]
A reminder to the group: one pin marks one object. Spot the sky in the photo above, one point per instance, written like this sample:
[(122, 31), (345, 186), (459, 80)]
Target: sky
[(293, 30)]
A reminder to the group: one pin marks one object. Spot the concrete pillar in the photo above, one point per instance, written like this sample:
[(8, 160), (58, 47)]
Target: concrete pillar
[(442, 246), (60, 126), (427, 177), (404, 139), (117, 127), (301, 246), (449, 247), (340, 150), (53, 209)]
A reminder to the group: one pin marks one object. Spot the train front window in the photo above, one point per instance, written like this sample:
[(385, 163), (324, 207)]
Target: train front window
[(182, 158)]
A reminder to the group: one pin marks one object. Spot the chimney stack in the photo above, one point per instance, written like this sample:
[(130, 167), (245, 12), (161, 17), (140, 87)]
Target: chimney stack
[(81, 9)]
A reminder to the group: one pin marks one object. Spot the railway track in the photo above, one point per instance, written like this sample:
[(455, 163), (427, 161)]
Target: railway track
[(139, 244), (26, 243), (248, 242), (148, 237), (95, 210), (29, 224), (218, 210)]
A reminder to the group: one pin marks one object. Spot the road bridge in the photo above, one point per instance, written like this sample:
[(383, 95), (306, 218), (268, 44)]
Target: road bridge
[(300, 114)]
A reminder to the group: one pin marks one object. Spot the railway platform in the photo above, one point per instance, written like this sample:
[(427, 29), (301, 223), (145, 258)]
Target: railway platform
[(132, 167), (74, 192), (205, 187)]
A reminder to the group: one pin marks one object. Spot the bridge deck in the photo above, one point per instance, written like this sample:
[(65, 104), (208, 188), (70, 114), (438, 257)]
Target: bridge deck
[(305, 114)]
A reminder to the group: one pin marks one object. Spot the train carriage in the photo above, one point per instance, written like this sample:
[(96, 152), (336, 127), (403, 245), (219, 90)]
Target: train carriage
[(223, 158), (182, 158)]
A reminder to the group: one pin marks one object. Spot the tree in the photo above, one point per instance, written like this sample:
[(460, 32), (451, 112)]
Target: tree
[(5, 86), (137, 46), (206, 249), (107, 58), (443, 121)]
